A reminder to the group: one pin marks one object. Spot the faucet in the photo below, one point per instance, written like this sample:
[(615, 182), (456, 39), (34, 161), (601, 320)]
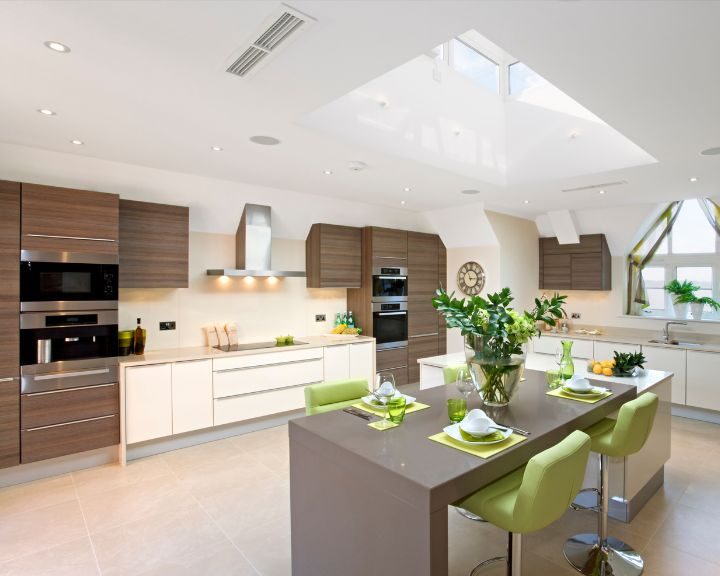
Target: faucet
[(666, 330)]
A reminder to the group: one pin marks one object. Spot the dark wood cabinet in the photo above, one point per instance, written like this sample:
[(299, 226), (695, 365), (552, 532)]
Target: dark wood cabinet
[(420, 347), (389, 358), (9, 323), (582, 266), (389, 244), (68, 220), (423, 280), (154, 245), (333, 256), (62, 406)]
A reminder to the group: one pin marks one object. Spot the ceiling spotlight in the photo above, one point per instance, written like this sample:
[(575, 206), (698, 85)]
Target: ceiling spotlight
[(357, 165), (217, 149), (470, 192), (693, 179), (711, 151), (402, 202), (46, 111), (264, 140), (77, 142), (407, 189), (601, 191), (526, 201), (327, 172), (57, 46)]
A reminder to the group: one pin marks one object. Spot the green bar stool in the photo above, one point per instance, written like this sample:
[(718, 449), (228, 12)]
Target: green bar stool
[(598, 554), (533, 496), (328, 396), (450, 373)]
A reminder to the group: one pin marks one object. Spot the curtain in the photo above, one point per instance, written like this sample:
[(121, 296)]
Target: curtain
[(646, 248), (712, 211)]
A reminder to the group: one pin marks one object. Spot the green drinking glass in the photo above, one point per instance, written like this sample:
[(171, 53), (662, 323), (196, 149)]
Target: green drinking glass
[(457, 408), (553, 379), (396, 409)]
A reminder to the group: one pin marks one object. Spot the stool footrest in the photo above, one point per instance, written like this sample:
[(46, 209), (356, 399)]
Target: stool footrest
[(588, 557)]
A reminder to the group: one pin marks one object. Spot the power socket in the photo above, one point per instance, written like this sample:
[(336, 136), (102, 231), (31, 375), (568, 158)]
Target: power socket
[(167, 325), (319, 317), (575, 315)]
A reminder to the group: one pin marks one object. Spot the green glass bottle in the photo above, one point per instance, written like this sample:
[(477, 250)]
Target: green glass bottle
[(566, 367)]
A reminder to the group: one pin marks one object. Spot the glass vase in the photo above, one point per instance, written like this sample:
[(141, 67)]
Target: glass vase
[(566, 366), (495, 377)]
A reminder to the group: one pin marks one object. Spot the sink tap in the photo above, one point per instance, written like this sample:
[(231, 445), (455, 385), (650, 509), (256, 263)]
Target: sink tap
[(666, 330)]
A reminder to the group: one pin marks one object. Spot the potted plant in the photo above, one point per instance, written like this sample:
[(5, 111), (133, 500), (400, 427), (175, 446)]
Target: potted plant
[(683, 295), (626, 364), (698, 305), (494, 337)]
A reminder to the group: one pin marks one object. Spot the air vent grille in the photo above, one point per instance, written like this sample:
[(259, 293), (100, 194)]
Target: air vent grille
[(595, 186), (281, 27)]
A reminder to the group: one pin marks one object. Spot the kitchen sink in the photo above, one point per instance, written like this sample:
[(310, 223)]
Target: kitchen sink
[(678, 343)]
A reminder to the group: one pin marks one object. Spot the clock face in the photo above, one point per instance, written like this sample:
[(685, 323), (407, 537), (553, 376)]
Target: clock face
[(471, 278)]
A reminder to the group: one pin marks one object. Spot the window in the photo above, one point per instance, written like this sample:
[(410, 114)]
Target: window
[(474, 65), (521, 78), (690, 251)]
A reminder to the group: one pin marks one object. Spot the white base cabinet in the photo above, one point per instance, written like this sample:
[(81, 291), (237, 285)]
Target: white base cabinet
[(337, 363), (670, 360), (703, 390), (362, 361), (192, 405), (606, 350), (148, 402)]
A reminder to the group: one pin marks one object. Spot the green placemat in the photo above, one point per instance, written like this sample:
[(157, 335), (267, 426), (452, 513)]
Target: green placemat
[(414, 407), (377, 424), (560, 394), (483, 451)]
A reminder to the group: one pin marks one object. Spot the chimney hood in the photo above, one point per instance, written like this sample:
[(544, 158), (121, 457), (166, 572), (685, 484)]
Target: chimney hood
[(253, 245)]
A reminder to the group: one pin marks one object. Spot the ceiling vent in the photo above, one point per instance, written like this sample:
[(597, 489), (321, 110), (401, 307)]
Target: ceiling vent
[(278, 29), (595, 186)]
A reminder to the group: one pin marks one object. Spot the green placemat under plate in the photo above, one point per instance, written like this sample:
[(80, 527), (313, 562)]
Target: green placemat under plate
[(377, 424), (560, 394), (483, 451), (414, 407)]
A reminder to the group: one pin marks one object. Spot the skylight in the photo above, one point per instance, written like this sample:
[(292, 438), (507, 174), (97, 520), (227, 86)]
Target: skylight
[(474, 65)]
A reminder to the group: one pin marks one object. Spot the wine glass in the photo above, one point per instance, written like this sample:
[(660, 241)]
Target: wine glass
[(384, 390), (464, 382)]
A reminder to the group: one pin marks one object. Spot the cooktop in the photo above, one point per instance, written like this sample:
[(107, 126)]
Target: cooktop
[(255, 346)]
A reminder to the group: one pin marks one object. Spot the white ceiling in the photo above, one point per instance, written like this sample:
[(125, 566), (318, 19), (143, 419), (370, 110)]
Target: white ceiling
[(145, 84)]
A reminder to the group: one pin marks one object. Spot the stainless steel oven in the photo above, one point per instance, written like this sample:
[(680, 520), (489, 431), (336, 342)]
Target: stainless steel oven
[(389, 284), (390, 324), (67, 281)]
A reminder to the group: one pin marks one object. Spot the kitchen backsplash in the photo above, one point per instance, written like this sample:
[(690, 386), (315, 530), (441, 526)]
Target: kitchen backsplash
[(262, 308)]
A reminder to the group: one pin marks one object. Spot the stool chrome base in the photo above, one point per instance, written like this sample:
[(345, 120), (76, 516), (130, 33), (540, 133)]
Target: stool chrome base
[(583, 551)]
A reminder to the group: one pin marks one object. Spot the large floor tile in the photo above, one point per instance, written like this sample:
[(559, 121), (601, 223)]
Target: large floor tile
[(75, 558), (103, 478), (692, 531), (38, 494), (663, 560), (235, 474), (267, 547), (33, 531), (220, 559), (200, 456)]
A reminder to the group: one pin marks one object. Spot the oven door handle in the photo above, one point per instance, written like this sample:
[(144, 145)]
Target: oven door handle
[(58, 375), (392, 313), (392, 277)]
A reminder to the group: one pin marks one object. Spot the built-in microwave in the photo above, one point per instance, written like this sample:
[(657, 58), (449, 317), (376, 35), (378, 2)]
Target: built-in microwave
[(390, 284), (390, 324), (67, 281)]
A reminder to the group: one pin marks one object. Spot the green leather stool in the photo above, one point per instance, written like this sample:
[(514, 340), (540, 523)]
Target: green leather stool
[(450, 373), (598, 554), (533, 496), (328, 396)]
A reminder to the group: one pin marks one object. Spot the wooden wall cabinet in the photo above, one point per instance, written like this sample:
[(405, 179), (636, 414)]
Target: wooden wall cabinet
[(389, 244), (582, 266), (68, 220), (9, 323), (333, 256), (154, 245)]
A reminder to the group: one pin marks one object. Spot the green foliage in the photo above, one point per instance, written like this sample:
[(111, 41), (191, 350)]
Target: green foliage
[(683, 292), (714, 304), (504, 329), (626, 362)]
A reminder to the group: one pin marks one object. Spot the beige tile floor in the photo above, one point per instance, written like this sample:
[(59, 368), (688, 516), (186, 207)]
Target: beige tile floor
[(222, 509)]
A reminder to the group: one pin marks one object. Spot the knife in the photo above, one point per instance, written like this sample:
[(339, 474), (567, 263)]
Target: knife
[(358, 413), (518, 430)]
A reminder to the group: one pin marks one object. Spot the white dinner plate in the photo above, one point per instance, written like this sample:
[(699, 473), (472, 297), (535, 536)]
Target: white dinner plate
[(454, 432), (596, 392), (371, 401)]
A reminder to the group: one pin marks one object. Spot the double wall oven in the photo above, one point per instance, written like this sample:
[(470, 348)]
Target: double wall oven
[(389, 307)]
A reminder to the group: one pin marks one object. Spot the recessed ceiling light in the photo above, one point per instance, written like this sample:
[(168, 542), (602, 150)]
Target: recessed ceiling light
[(469, 192), (526, 201), (715, 151), (217, 149), (264, 140), (46, 111), (57, 46), (693, 179), (77, 142), (327, 172), (357, 165), (383, 103), (402, 202), (407, 189), (601, 191)]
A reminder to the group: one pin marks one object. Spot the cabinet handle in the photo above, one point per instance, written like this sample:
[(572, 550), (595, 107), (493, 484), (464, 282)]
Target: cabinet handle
[(70, 237), (393, 368), (392, 277), (392, 313), (8, 379), (69, 390), (59, 375), (68, 423), (423, 335), (256, 392), (391, 257)]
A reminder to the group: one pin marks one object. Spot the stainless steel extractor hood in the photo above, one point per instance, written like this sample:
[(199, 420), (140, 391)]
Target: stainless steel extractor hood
[(253, 246)]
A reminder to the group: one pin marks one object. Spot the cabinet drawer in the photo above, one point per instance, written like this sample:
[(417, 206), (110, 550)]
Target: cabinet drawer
[(246, 407), (400, 375), (551, 345), (391, 358), (63, 439), (267, 359), (256, 379), (423, 347), (60, 406)]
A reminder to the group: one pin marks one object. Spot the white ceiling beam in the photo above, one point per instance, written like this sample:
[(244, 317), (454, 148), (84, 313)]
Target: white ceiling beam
[(564, 226)]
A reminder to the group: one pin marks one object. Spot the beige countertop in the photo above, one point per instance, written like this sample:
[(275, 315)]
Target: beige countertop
[(207, 352), (691, 341)]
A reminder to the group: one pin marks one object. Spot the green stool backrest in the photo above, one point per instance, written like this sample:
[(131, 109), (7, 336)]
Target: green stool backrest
[(550, 482), (328, 396), (634, 424), (450, 373)]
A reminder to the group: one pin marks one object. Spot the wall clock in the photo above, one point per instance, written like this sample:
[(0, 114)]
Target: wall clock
[(471, 278)]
